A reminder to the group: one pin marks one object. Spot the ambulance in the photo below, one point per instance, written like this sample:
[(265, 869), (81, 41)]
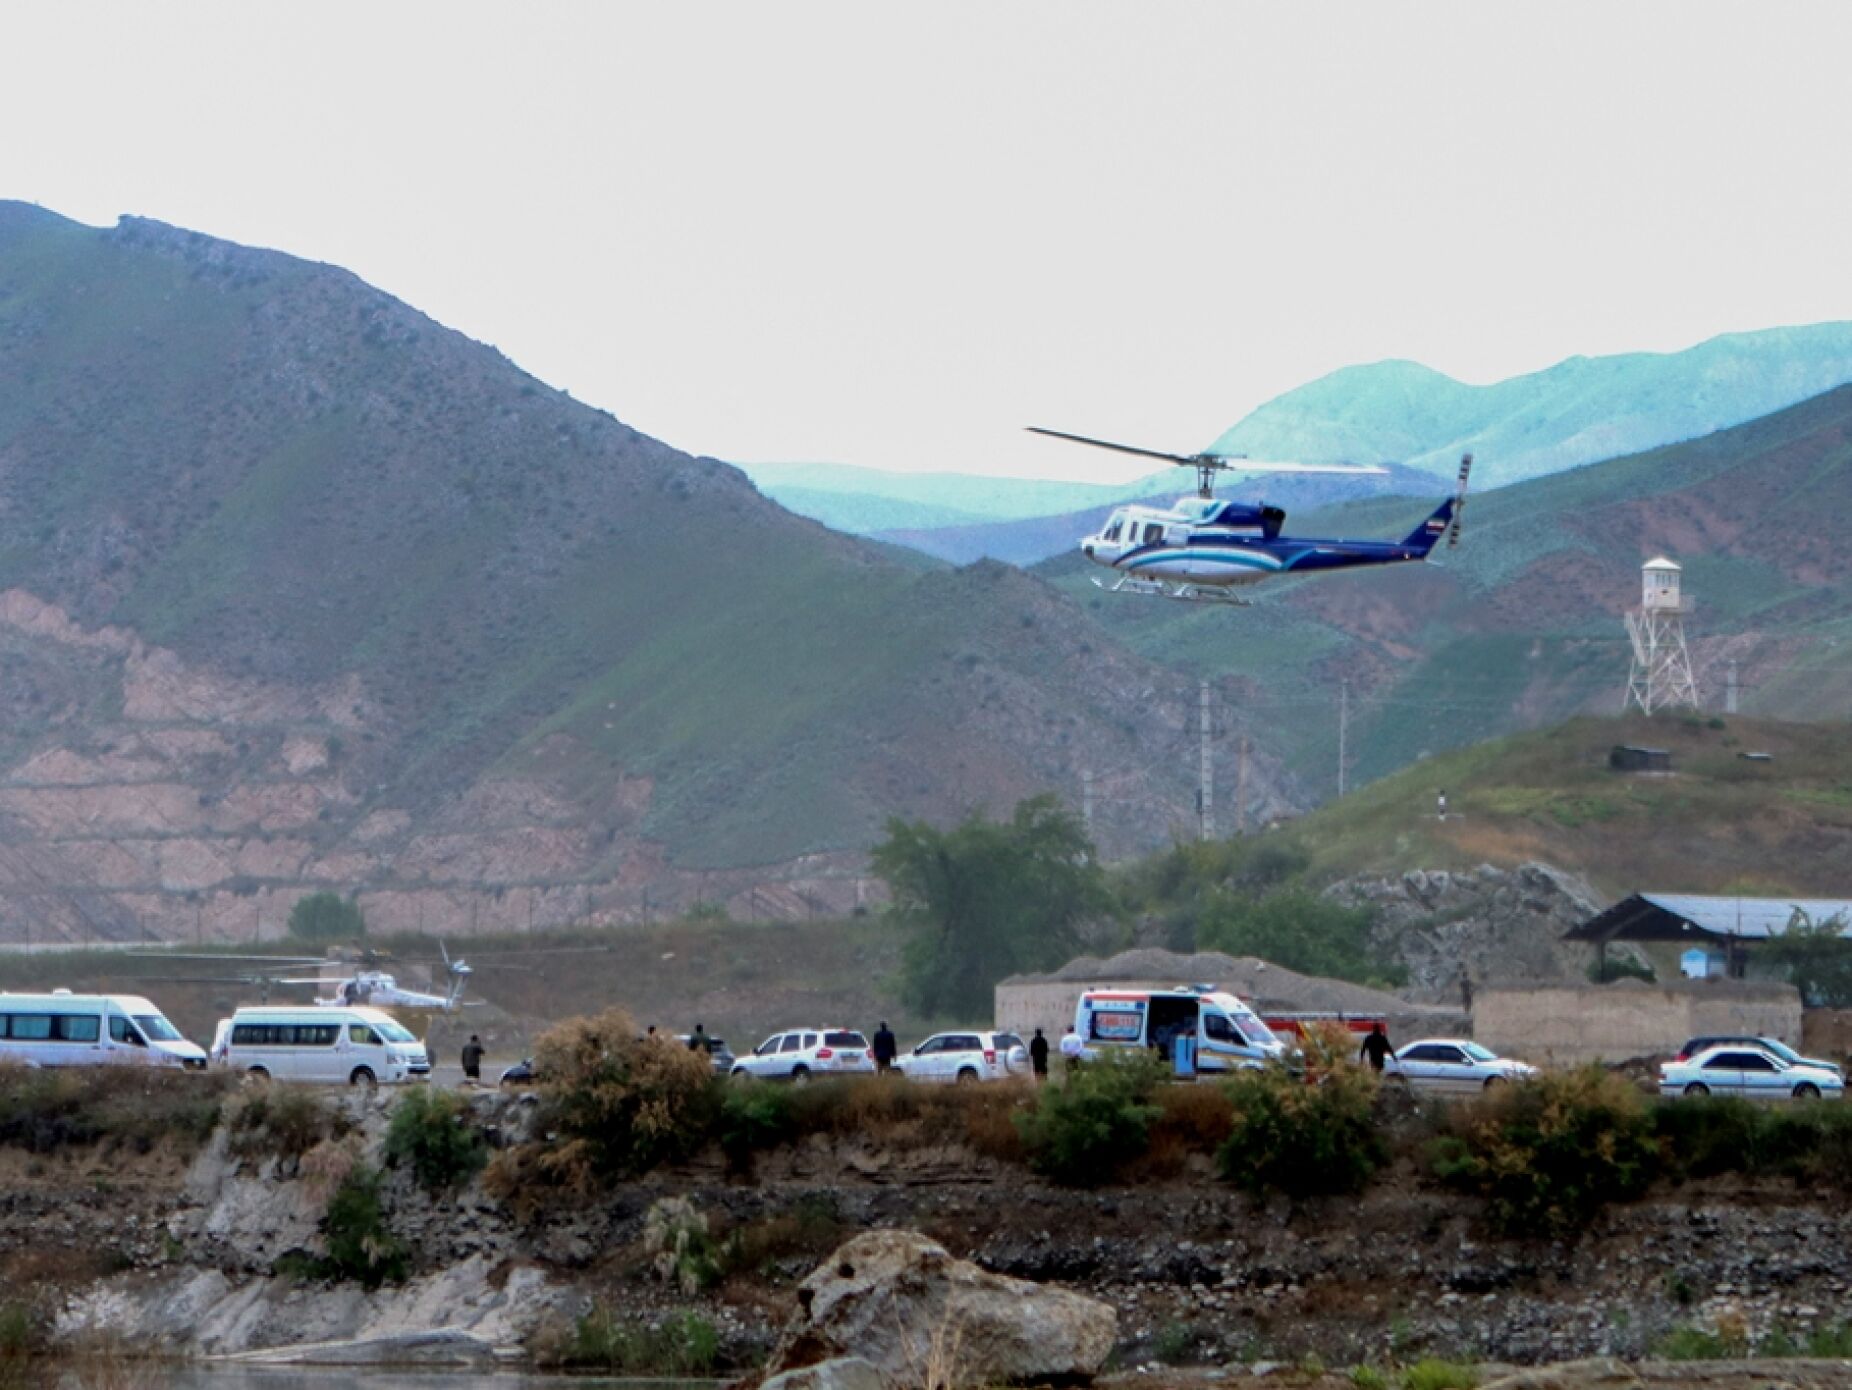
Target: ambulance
[(1196, 1028)]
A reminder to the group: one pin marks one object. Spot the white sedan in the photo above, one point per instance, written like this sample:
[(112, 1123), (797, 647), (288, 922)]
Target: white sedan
[(1749, 1072), (965, 1057), (1453, 1066)]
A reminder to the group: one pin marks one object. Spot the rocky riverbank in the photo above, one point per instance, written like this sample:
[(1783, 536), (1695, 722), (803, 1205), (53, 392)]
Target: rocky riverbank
[(148, 1253)]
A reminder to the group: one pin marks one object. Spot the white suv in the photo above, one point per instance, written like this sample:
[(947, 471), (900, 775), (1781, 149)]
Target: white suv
[(806, 1052), (965, 1057)]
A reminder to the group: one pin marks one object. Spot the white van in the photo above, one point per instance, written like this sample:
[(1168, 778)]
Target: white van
[(1228, 1035), (62, 1029), (351, 1044)]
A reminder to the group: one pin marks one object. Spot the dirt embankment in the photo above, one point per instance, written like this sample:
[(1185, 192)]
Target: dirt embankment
[(181, 1257)]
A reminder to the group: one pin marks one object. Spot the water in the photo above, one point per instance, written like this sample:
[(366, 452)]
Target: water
[(156, 1377)]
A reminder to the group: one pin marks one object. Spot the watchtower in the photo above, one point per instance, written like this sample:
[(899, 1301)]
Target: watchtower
[(1661, 675)]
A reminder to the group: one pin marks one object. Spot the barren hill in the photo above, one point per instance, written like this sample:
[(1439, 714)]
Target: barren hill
[(299, 589)]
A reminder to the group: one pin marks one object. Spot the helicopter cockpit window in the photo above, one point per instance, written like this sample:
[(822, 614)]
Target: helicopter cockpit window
[(1112, 531)]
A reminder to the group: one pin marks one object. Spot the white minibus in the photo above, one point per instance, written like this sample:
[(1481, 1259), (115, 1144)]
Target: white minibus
[(62, 1029), (347, 1043), (1225, 1034)]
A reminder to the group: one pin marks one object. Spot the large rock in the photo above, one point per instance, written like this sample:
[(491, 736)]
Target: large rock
[(844, 1373), (1495, 924), (926, 1320)]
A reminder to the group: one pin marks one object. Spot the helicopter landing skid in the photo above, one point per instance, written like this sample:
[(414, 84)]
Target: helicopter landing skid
[(1180, 590)]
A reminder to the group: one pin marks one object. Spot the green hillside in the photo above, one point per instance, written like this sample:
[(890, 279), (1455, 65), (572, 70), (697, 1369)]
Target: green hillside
[(1718, 824), (1521, 625), (289, 477)]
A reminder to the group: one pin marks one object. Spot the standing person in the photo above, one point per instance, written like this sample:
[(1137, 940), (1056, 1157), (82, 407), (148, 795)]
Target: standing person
[(885, 1048), (472, 1060), (1071, 1048), (697, 1040), (1038, 1056), (1440, 804), (1466, 991), (1376, 1047)]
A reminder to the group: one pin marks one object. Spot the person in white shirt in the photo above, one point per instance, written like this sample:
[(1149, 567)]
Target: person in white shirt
[(1071, 1047)]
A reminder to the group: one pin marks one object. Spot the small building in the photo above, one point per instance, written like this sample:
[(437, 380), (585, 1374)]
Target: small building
[(1627, 757), (1729, 927)]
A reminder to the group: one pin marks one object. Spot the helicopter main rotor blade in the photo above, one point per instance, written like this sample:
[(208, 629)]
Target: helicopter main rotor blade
[(1232, 463), (1235, 464), (225, 957), (1185, 459)]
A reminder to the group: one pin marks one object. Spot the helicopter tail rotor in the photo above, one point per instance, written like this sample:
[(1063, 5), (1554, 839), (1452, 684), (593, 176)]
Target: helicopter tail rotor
[(1459, 502)]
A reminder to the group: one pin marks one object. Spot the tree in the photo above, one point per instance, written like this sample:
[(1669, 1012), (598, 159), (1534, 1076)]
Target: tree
[(1819, 958), (1297, 929), (987, 899), (326, 916)]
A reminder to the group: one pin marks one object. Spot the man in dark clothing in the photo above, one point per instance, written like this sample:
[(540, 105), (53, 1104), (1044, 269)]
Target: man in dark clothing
[(885, 1048), (1376, 1047), (1038, 1056), (472, 1058), (697, 1040)]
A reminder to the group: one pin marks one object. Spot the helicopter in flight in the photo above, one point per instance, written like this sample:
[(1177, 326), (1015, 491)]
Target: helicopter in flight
[(362, 983), (1202, 548)]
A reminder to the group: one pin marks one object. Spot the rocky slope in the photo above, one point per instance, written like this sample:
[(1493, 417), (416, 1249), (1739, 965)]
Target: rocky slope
[(178, 1259), (299, 589)]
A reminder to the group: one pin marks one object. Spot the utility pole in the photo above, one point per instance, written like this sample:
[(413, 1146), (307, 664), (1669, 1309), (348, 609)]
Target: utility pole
[(1086, 800), (1343, 730), (1206, 808), (1729, 689), (1241, 789)]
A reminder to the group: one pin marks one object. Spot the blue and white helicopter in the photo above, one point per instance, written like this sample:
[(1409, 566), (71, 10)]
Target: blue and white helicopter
[(1201, 548)]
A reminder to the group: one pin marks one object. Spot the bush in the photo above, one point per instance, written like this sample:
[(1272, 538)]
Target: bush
[(326, 916), (682, 1345), (23, 1338), (754, 1118), (1080, 1133), (434, 1133), (675, 1237), (621, 1104), (1298, 929), (1701, 1136), (359, 1244), (1810, 1143), (1302, 1136), (43, 1110), (1550, 1153), (283, 1122), (1430, 1374)]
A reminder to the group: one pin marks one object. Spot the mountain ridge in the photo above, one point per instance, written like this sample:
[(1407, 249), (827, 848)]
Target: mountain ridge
[(304, 590), (1581, 410)]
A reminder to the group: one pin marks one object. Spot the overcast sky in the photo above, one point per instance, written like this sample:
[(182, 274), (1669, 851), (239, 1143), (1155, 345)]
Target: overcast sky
[(893, 235)]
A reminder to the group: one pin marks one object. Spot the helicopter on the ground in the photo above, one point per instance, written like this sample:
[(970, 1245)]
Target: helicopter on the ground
[(363, 984), (1201, 548)]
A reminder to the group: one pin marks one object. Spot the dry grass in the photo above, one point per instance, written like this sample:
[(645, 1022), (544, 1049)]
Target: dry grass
[(896, 1114), (138, 1108)]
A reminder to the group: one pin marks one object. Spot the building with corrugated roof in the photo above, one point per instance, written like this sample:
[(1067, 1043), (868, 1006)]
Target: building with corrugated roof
[(1719, 926)]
